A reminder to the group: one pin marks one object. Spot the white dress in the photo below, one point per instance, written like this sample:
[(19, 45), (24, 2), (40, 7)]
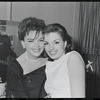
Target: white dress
[(57, 83)]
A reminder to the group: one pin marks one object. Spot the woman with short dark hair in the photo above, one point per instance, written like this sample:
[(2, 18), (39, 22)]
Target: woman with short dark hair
[(26, 74)]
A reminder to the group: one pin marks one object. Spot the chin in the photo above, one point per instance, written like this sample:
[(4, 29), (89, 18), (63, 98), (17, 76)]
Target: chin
[(54, 58), (37, 55)]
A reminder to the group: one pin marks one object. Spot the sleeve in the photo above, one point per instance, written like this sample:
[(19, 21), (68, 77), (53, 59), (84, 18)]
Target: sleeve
[(15, 88)]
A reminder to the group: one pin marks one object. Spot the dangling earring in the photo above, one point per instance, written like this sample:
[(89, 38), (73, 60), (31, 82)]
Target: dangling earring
[(65, 46)]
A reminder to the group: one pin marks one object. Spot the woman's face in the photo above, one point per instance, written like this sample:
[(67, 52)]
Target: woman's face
[(34, 44), (54, 45)]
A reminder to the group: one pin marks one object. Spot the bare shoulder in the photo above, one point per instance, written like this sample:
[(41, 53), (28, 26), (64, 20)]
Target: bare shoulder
[(75, 61), (75, 57)]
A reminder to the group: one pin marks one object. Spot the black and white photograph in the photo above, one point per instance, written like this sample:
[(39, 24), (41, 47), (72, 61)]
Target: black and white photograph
[(49, 49)]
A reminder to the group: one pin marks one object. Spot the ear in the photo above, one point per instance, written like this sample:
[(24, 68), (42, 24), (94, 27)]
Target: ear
[(65, 44), (23, 44)]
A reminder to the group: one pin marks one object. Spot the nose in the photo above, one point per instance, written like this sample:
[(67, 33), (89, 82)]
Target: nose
[(51, 47), (36, 44)]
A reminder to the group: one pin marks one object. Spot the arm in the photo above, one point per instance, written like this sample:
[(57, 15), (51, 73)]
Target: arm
[(15, 88), (2, 90), (76, 70)]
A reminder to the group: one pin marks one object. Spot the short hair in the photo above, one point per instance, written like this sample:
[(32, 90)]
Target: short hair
[(29, 24), (61, 30)]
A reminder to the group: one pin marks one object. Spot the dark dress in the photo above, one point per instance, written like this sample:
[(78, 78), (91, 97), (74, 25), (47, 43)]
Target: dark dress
[(30, 85)]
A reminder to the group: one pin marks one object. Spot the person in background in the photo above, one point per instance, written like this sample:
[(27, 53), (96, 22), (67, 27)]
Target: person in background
[(65, 69), (26, 75), (3, 67), (5, 51), (5, 37), (7, 42)]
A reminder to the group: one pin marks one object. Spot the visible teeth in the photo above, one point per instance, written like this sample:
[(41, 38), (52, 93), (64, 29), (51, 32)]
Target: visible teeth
[(52, 52), (36, 50)]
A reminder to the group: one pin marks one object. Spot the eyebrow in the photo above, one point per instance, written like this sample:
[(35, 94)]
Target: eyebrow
[(41, 38), (53, 41), (56, 39), (34, 38), (30, 39)]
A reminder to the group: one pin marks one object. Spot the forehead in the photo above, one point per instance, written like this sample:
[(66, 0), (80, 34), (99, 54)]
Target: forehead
[(33, 34), (52, 36)]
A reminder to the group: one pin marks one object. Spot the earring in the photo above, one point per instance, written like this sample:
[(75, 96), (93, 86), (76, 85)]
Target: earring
[(23, 45)]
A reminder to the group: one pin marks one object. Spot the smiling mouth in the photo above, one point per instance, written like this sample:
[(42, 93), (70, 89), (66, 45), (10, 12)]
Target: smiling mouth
[(52, 52), (36, 50)]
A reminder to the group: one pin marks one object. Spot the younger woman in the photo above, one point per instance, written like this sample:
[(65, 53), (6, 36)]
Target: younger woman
[(65, 69)]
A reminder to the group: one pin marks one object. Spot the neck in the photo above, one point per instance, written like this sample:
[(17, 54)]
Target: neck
[(32, 59)]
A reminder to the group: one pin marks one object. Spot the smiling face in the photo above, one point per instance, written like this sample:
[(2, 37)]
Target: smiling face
[(54, 45), (34, 44)]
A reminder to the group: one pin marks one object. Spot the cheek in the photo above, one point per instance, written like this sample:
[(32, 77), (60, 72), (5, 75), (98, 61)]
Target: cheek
[(42, 45), (28, 45), (61, 47), (46, 48)]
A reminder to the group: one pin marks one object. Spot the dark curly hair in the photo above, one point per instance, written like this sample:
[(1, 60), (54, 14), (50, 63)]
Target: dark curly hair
[(29, 24)]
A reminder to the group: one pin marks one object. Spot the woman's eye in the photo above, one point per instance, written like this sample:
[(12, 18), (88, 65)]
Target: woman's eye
[(41, 40), (45, 43), (56, 42), (30, 41)]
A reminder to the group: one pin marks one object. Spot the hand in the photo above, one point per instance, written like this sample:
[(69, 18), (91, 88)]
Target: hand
[(2, 90), (48, 95), (2, 96)]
